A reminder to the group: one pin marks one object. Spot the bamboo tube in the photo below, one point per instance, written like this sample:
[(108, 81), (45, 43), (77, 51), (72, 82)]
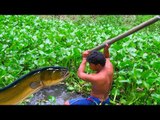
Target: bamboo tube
[(129, 32)]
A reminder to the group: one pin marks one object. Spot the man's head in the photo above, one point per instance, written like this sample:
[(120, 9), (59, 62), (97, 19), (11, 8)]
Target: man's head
[(96, 58)]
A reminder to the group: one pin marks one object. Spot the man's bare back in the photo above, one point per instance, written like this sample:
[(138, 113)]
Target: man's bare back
[(101, 87)]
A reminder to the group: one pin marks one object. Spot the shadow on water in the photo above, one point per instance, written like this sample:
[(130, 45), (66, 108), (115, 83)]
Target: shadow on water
[(54, 95)]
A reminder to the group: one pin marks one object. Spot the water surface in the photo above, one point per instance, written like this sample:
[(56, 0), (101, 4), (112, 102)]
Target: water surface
[(54, 95)]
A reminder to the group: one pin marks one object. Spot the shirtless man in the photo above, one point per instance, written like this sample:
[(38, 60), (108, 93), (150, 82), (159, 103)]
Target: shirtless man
[(101, 81)]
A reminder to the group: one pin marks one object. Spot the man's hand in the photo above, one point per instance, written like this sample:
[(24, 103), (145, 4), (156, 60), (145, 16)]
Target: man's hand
[(85, 53), (107, 46)]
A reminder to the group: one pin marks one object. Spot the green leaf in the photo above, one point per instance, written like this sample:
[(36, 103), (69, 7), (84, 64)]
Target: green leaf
[(146, 85), (156, 96), (123, 101), (139, 82), (51, 99), (145, 55), (70, 88), (124, 81)]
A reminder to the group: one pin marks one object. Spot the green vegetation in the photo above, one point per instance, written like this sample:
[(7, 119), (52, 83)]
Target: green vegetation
[(29, 42)]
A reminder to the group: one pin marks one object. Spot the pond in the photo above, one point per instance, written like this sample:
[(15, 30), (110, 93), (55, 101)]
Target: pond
[(54, 95)]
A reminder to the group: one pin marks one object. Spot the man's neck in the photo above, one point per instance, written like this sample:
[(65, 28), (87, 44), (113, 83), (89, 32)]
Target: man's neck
[(99, 68)]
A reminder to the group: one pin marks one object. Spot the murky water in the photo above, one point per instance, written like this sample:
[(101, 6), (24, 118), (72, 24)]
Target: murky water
[(54, 95)]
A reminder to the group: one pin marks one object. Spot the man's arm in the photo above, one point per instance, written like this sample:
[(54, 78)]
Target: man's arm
[(81, 70), (106, 51), (107, 56)]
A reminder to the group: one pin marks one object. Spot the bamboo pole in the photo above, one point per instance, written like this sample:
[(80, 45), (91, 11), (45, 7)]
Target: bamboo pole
[(129, 32)]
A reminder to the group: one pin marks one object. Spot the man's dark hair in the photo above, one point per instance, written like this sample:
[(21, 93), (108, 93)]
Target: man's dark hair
[(96, 57)]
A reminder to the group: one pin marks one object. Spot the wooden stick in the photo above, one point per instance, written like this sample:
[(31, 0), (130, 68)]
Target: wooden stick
[(127, 33)]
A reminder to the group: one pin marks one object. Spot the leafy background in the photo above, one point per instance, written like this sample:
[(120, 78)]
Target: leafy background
[(28, 42)]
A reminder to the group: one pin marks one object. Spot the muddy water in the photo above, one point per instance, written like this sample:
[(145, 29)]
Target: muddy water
[(54, 95)]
